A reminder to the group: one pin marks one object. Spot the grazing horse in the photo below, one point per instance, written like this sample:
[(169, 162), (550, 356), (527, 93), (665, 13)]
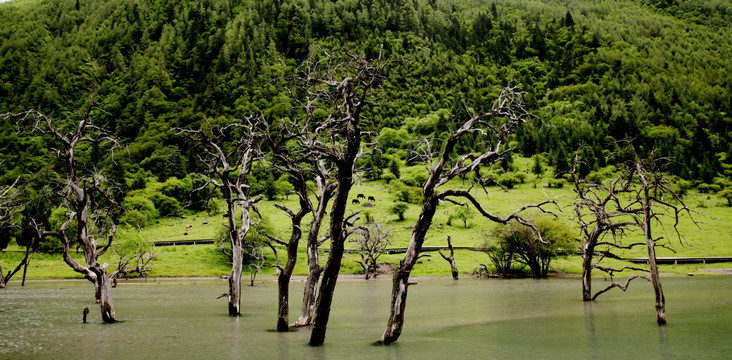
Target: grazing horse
[(360, 196), (371, 198), (355, 201)]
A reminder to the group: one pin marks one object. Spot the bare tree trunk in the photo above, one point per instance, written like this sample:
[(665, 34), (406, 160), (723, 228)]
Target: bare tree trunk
[(235, 278), (311, 283), (27, 260), (104, 289), (653, 267), (401, 275), (337, 247), (283, 280), (589, 250), (451, 259), (2, 278)]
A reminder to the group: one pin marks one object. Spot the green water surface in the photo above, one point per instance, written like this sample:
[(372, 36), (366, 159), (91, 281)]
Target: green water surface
[(446, 319)]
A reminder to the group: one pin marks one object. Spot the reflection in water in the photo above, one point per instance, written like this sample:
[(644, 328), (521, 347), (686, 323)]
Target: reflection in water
[(589, 321), (665, 349), (504, 319)]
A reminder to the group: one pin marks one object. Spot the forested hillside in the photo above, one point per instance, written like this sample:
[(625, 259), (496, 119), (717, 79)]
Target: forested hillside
[(594, 72)]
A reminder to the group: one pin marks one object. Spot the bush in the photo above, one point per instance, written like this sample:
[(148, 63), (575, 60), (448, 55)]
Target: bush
[(517, 243), (414, 176), (400, 190), (727, 195), (508, 180), (141, 204), (166, 205), (388, 177), (555, 183), (708, 188), (178, 189), (399, 209), (134, 218)]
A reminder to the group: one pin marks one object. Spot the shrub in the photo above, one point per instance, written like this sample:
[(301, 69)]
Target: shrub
[(399, 209), (708, 188), (524, 246), (165, 205), (134, 218), (556, 183), (179, 189), (141, 204), (400, 190), (727, 195), (414, 176), (388, 177), (508, 180)]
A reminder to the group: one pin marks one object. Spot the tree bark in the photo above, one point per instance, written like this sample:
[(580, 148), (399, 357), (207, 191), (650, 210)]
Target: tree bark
[(337, 247), (451, 260), (2, 278), (311, 283), (283, 280), (235, 278), (653, 267), (589, 250), (400, 283), (104, 290), (325, 192)]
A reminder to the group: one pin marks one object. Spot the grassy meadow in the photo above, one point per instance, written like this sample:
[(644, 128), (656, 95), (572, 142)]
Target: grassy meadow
[(710, 236)]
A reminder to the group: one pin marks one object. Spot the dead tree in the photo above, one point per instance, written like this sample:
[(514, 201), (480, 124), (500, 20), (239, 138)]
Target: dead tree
[(300, 167), (10, 204), (600, 211), (257, 259), (635, 199), (342, 84), (325, 187), (371, 242), (88, 203), (656, 199), (142, 264), (228, 167), (494, 127), (451, 259)]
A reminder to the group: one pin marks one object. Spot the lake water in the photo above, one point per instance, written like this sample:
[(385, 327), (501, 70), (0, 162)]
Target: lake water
[(466, 319)]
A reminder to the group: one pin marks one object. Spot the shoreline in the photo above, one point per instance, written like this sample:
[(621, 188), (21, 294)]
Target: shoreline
[(356, 277)]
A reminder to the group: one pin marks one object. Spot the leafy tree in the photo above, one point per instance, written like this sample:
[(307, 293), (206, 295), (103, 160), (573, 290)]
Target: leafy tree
[(399, 209)]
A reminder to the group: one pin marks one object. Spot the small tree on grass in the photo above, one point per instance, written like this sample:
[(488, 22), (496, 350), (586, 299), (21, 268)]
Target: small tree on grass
[(464, 214), (399, 209), (524, 246)]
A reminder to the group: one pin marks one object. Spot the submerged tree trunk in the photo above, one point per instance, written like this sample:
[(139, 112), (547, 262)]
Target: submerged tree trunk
[(653, 267), (337, 235), (401, 282), (283, 280), (337, 247), (589, 250), (104, 289), (311, 284), (235, 279), (451, 260)]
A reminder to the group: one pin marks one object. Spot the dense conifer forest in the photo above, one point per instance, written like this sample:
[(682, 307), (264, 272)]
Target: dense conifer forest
[(654, 72)]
